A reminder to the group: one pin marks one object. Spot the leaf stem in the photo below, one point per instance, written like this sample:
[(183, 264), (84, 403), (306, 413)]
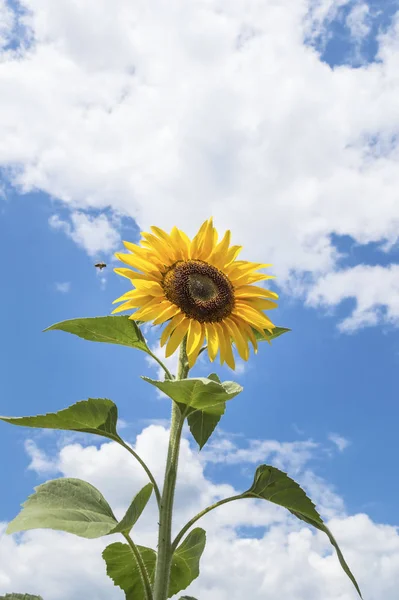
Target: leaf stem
[(201, 514), (167, 372), (146, 469), (143, 571), (164, 558)]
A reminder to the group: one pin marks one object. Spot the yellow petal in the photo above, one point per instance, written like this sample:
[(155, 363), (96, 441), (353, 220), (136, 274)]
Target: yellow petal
[(152, 288), (122, 307), (245, 327), (232, 254), (217, 256), (167, 314), (177, 337), (195, 339), (164, 251), (248, 291), (197, 240), (252, 316), (229, 357), (181, 244), (239, 339), (261, 303), (174, 322), (133, 275), (134, 295), (137, 262), (212, 341), (207, 243)]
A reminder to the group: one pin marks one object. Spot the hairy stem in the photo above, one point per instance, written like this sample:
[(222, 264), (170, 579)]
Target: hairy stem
[(146, 469), (143, 571), (201, 514), (162, 572)]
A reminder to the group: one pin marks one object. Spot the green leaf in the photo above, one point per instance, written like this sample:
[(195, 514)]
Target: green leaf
[(68, 504), (268, 337), (275, 485), (124, 571), (111, 330), (135, 509), (202, 424), (98, 416), (187, 598), (198, 393), (20, 597), (185, 561)]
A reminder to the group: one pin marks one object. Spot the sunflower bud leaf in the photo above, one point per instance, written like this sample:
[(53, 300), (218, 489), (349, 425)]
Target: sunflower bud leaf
[(267, 336), (275, 485), (198, 393)]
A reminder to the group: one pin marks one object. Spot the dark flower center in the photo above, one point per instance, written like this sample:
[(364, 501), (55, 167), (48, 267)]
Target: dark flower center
[(200, 290)]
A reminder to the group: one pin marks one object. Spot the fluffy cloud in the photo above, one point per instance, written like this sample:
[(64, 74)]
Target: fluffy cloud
[(284, 559), (93, 233), (170, 113), (375, 290)]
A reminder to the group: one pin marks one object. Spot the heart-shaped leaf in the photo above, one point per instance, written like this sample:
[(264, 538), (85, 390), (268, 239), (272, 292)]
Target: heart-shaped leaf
[(68, 504), (124, 571), (275, 485), (198, 393), (110, 330), (185, 561), (98, 416)]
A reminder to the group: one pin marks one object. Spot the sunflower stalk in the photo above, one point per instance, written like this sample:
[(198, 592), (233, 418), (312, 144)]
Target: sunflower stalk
[(165, 550)]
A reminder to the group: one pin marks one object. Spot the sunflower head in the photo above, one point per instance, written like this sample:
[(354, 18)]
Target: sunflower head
[(197, 288)]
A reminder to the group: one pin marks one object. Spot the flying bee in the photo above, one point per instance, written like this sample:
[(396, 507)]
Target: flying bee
[(100, 265)]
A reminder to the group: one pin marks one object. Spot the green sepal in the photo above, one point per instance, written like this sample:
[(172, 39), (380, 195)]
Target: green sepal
[(110, 330), (275, 485), (95, 415), (198, 393), (267, 336)]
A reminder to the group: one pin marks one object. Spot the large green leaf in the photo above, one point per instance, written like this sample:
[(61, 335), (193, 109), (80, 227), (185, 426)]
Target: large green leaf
[(185, 561), (187, 598), (135, 509), (20, 597), (267, 336), (111, 330), (68, 504), (124, 571), (198, 393), (98, 416), (274, 485)]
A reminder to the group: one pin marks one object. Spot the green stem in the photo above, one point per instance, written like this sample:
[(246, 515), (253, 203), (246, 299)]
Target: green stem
[(164, 558), (168, 374), (201, 514), (143, 571), (146, 469)]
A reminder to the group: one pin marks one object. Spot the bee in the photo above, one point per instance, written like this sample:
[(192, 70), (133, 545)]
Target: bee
[(100, 265)]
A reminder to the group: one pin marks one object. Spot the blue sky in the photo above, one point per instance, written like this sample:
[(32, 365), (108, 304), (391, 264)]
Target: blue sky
[(293, 173)]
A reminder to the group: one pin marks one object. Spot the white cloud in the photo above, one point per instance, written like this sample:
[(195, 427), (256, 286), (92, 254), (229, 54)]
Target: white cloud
[(358, 20), (340, 442), (96, 234), (171, 114), (375, 289), (63, 287), (285, 560), (7, 20)]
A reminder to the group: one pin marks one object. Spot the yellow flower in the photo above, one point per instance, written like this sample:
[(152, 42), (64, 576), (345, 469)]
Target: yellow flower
[(200, 288)]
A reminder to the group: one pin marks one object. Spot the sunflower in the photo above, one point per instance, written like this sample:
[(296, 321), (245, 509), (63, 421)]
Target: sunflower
[(199, 289)]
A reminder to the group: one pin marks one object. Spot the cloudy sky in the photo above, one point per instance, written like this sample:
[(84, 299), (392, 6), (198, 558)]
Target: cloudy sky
[(281, 119)]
